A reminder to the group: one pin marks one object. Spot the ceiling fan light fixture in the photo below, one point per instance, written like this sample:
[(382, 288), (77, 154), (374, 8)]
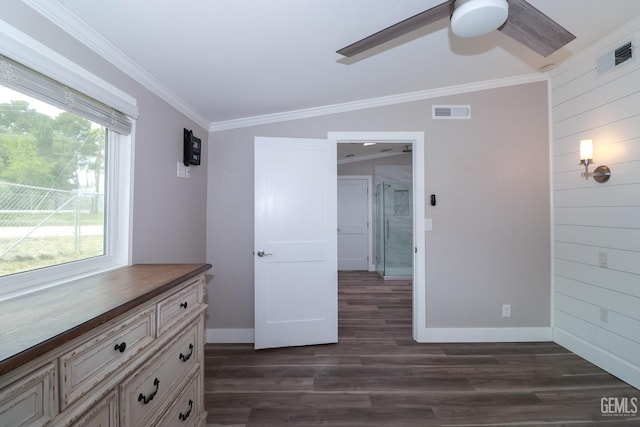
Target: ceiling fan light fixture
[(472, 18)]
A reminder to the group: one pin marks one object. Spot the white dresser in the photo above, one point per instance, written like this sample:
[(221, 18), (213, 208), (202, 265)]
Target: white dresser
[(123, 348)]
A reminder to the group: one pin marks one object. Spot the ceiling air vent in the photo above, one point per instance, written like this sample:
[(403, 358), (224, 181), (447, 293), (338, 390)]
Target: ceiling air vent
[(615, 57), (451, 111)]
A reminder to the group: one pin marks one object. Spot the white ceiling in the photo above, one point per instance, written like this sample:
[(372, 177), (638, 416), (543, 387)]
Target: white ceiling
[(234, 59)]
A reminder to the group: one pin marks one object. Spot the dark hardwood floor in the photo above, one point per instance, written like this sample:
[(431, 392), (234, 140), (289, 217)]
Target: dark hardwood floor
[(378, 376)]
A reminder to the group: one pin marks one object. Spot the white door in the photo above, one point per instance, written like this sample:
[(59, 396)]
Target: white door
[(353, 223), (295, 261)]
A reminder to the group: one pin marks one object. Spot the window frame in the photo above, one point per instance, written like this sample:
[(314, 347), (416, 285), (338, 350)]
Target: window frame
[(119, 166)]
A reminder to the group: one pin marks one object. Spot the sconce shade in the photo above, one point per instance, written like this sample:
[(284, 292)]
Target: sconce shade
[(586, 150), (602, 173)]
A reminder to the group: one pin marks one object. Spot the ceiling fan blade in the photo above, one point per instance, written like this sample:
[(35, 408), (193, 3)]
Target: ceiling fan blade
[(534, 29), (401, 28)]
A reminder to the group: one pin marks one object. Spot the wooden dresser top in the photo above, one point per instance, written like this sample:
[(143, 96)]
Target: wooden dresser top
[(35, 323)]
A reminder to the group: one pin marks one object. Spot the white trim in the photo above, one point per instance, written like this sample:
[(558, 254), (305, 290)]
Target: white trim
[(230, 336), (453, 335), (419, 276), (61, 16), (369, 179), (552, 237), (123, 183), (69, 22), (375, 102), (23, 49), (611, 363)]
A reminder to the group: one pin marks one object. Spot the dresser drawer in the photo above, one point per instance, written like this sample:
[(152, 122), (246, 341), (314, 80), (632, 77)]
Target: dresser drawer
[(30, 401), (145, 393), (179, 305), (95, 359), (103, 413), (186, 410)]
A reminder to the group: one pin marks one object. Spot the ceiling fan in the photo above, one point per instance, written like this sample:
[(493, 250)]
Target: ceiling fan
[(517, 19)]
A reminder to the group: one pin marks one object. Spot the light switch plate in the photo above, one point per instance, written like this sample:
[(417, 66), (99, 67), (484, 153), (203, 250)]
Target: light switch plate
[(183, 171), (428, 224)]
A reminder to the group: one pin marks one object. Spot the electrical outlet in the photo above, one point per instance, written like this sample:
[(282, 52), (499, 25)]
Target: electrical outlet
[(506, 310), (603, 260), (604, 315)]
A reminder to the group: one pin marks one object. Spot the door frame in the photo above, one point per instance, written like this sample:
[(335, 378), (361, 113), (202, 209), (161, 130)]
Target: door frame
[(417, 140), (370, 265)]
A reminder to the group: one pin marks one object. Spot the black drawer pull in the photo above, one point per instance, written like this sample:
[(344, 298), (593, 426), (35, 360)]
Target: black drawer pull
[(120, 347), (146, 399), (183, 304), (183, 417), (188, 356)]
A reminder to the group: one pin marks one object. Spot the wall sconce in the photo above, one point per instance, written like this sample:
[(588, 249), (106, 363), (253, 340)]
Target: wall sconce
[(602, 173)]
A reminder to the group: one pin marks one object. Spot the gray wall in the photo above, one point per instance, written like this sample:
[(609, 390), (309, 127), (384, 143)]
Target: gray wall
[(491, 239), (169, 214)]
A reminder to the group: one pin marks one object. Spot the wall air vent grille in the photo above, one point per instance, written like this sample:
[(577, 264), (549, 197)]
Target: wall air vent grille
[(450, 111), (616, 57), (623, 53)]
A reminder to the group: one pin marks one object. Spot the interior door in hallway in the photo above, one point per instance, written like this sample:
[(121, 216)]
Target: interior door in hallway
[(353, 223), (295, 262)]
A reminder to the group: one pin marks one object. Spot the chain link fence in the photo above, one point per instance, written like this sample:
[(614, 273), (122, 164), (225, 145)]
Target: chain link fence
[(40, 226)]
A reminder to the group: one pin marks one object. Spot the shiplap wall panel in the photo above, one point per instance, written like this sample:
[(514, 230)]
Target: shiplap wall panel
[(624, 174), (624, 304), (614, 238), (622, 217), (616, 344), (615, 322), (613, 280), (580, 70), (592, 218), (597, 196), (603, 94), (628, 261), (599, 115), (583, 77), (624, 129), (603, 154)]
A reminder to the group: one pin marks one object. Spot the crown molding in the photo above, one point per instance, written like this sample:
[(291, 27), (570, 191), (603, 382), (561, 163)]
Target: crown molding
[(375, 102), (81, 31), (62, 17)]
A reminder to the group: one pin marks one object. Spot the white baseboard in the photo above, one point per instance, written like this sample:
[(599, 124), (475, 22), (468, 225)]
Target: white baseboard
[(238, 336), (609, 362), (453, 335), (230, 336)]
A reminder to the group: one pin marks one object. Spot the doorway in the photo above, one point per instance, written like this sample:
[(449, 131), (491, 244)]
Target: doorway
[(415, 140)]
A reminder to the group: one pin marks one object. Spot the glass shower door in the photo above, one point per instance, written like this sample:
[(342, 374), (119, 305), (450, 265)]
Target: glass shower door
[(394, 229), (380, 229), (398, 209)]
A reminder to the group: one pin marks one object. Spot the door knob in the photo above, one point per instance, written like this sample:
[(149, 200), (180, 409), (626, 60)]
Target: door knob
[(262, 254)]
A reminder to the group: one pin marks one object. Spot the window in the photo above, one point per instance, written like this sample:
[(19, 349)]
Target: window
[(64, 179), (52, 175)]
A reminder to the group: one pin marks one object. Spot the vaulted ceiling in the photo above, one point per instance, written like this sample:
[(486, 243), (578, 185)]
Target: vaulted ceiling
[(237, 59)]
